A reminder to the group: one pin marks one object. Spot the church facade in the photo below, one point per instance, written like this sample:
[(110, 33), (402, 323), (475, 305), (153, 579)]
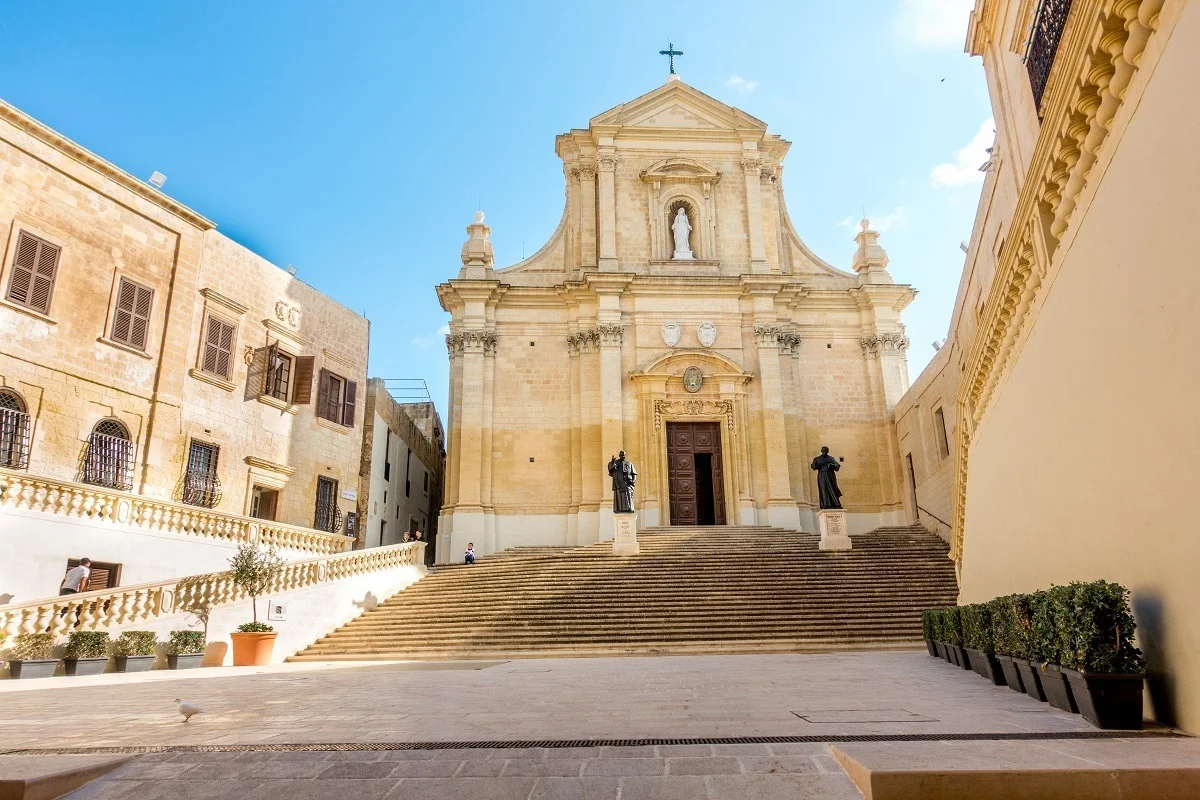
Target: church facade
[(674, 314)]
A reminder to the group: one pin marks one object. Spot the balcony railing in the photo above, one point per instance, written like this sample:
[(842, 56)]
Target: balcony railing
[(128, 605), (14, 438), (1048, 26), (21, 491)]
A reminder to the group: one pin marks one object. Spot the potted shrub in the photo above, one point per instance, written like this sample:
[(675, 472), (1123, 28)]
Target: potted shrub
[(135, 651), (185, 649), (1050, 614), (952, 624), (86, 653), (1004, 639), (1026, 649), (943, 629), (977, 641), (927, 631), (1104, 670), (254, 568), (31, 657)]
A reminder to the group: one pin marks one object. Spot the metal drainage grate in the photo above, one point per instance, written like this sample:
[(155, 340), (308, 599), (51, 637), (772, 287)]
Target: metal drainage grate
[(558, 743)]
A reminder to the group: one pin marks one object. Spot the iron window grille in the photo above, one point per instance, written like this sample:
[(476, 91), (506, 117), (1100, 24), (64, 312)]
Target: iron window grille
[(328, 517), (108, 459), (201, 486), (14, 433), (1048, 24)]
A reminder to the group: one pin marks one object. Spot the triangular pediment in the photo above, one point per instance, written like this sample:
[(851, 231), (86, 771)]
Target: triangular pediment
[(677, 105)]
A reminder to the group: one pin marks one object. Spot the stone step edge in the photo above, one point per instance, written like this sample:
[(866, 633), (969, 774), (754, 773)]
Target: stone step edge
[(57, 779)]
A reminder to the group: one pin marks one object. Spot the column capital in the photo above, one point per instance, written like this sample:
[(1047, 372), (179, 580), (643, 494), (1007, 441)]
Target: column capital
[(883, 344), (611, 335), (473, 341), (607, 162), (768, 335)]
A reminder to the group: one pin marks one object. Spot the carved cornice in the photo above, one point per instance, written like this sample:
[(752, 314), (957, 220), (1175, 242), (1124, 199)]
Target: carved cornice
[(768, 335), (1097, 57), (885, 344), (473, 341), (693, 408)]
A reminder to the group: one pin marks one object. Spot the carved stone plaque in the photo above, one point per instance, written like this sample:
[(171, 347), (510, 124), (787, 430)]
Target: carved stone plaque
[(671, 331), (693, 379), (707, 334)]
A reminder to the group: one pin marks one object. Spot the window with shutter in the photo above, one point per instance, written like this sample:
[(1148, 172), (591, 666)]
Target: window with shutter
[(302, 394), (217, 358), (34, 268), (131, 320), (348, 404), (103, 575), (336, 398), (279, 373)]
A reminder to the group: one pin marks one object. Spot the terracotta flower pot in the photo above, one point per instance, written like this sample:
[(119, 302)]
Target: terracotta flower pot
[(252, 649)]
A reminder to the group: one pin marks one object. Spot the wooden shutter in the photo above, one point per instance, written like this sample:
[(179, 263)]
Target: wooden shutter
[(131, 322), (268, 385), (323, 396), (217, 358), (304, 377), (348, 406), (33, 271), (256, 374), (103, 575)]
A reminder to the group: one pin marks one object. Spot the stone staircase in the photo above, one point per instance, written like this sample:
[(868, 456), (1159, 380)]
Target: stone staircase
[(730, 589)]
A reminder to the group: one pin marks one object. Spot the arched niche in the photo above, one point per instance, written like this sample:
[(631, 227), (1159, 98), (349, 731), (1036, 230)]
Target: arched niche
[(688, 183)]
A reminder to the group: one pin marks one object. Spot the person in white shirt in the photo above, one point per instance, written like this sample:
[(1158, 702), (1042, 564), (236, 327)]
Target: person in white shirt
[(469, 556), (77, 579)]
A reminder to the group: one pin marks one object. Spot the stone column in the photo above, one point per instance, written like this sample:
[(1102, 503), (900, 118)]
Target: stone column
[(485, 447), (782, 511), (587, 214), (607, 162), (752, 167), (468, 513)]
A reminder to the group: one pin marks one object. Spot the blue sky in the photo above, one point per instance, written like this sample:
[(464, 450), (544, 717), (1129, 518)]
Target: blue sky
[(354, 140)]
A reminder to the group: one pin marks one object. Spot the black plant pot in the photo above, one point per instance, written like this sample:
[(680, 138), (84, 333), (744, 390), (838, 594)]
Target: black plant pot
[(37, 668), (184, 660), (134, 663), (986, 666), (960, 657), (1112, 702), (1012, 675), (1057, 689), (1030, 679), (941, 650), (929, 645), (85, 666)]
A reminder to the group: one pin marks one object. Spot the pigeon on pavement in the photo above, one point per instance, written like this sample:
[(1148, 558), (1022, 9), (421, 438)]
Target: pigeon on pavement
[(187, 709)]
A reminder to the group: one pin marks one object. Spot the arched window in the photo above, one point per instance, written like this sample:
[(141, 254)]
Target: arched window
[(14, 431), (108, 460)]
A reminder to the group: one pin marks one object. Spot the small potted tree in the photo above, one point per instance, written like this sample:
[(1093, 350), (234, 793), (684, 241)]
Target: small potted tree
[(927, 631), (30, 657), (185, 649), (1103, 668), (1026, 648), (135, 651), (978, 642), (86, 653), (1051, 614), (1004, 639), (254, 568), (952, 626)]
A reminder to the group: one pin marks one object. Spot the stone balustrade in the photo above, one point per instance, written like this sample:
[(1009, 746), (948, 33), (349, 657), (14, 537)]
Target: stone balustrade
[(19, 490), (106, 608)]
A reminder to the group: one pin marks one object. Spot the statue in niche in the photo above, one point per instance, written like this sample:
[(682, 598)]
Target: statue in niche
[(827, 467), (624, 476), (682, 229)]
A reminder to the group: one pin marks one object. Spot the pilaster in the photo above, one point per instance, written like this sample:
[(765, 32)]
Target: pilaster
[(587, 213), (752, 169), (606, 160)]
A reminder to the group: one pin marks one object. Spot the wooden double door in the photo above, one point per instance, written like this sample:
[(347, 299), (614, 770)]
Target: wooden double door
[(695, 473)]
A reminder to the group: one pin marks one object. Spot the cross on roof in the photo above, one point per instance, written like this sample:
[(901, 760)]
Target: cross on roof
[(670, 53)]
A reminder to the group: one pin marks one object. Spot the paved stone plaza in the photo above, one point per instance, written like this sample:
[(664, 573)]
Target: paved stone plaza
[(815, 695)]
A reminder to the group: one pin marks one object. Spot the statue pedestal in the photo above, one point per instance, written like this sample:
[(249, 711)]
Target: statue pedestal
[(625, 541), (832, 524)]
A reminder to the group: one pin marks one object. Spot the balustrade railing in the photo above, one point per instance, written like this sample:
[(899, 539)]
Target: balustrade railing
[(20, 490), (106, 608)]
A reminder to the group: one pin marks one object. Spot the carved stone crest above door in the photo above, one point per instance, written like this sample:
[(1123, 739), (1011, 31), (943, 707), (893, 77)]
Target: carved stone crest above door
[(693, 379), (671, 332)]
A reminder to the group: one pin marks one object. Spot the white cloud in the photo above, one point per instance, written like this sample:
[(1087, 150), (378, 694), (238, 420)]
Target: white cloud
[(967, 160), (739, 83), (895, 220), (435, 338), (933, 23)]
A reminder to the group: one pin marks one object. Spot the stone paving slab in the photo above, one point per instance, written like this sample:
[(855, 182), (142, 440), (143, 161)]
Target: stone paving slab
[(536, 699)]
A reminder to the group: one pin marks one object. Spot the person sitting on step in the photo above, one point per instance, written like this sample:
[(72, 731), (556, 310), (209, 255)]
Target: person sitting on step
[(469, 556)]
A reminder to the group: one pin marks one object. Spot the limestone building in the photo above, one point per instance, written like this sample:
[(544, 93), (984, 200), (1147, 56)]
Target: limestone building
[(403, 460), (1067, 384), (677, 315), (164, 392)]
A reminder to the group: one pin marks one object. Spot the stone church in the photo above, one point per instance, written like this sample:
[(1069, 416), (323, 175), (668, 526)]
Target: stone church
[(674, 314)]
